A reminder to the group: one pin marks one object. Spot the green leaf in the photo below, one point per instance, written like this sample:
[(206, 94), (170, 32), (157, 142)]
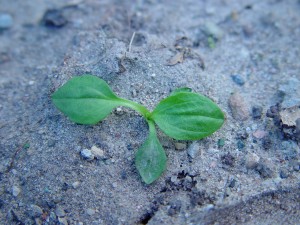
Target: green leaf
[(85, 99), (183, 89), (150, 159), (188, 116)]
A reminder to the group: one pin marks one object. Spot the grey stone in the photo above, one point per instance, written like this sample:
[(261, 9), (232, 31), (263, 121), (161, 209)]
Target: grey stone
[(90, 211), (180, 146), (76, 184), (238, 107), (62, 221), (15, 190), (87, 154), (251, 160), (60, 212), (6, 21), (35, 211), (97, 152), (193, 150)]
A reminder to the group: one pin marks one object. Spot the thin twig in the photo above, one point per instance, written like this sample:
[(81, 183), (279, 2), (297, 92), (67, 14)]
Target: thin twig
[(131, 40)]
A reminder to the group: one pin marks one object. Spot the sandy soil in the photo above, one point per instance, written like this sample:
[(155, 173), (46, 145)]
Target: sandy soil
[(242, 54)]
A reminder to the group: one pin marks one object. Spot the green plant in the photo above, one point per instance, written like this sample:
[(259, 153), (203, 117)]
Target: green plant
[(183, 115)]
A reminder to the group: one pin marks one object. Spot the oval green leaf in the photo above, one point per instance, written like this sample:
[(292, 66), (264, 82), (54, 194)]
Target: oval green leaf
[(150, 159), (188, 116), (85, 99)]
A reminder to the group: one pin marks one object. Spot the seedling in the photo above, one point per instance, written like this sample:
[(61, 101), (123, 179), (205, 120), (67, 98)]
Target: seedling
[(183, 115)]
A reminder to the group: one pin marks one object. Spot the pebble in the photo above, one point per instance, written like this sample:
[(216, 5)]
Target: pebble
[(238, 80), (284, 173), (251, 160), (259, 134), (6, 21), (238, 107), (63, 221), (35, 211), (87, 154), (54, 18), (90, 211), (133, 93), (221, 142), (76, 184), (60, 212), (264, 171), (97, 152), (257, 112), (214, 30), (15, 191), (180, 146), (228, 159), (193, 150), (240, 144)]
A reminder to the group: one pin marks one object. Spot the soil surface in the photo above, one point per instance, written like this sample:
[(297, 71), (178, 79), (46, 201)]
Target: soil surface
[(244, 55)]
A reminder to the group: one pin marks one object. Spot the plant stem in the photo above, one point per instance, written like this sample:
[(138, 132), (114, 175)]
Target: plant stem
[(137, 107)]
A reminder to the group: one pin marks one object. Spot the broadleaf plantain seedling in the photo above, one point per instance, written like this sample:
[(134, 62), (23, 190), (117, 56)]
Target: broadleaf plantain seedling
[(183, 115)]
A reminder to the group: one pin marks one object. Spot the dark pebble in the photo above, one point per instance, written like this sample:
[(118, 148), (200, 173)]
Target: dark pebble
[(1, 203), (124, 175), (232, 183), (256, 112), (267, 143), (221, 143), (175, 207), (238, 80), (264, 171), (228, 159), (240, 144), (284, 173), (54, 18)]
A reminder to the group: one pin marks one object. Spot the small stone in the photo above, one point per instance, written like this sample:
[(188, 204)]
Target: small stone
[(251, 160), (54, 18), (193, 150), (6, 21), (76, 184), (221, 142), (35, 211), (240, 144), (267, 143), (259, 134), (38, 221), (60, 212), (213, 30), (90, 211), (256, 112), (264, 171), (238, 107), (238, 80), (15, 191), (87, 154), (97, 152), (62, 221), (133, 93), (232, 183), (284, 173), (180, 146), (228, 159)]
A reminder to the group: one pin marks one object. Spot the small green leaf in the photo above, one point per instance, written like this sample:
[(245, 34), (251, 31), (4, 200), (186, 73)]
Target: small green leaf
[(85, 99), (150, 159), (188, 116), (183, 89)]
